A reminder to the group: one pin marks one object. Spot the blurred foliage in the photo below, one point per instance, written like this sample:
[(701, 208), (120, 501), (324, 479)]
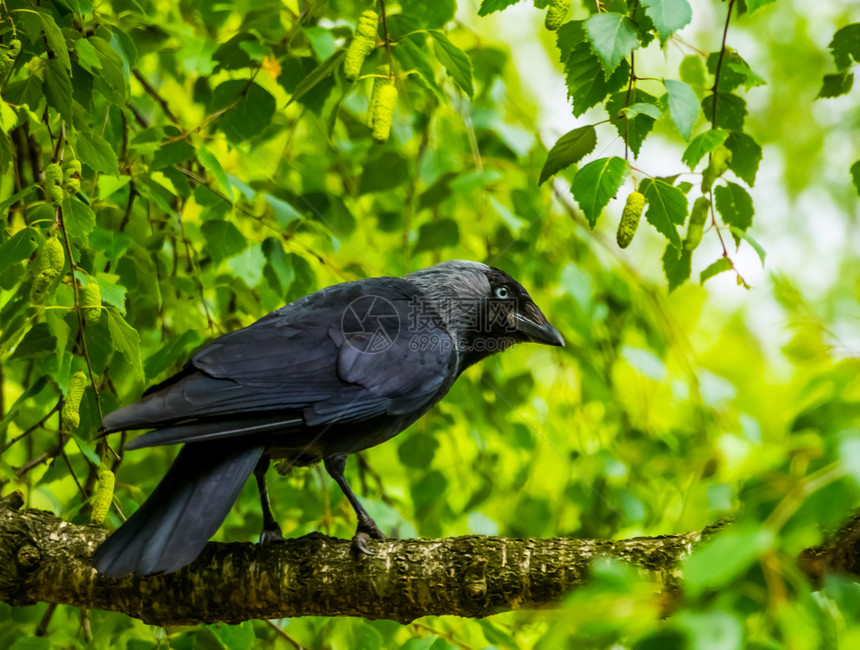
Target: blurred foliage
[(215, 163)]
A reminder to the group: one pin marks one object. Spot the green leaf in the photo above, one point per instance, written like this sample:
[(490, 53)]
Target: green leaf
[(248, 265), (676, 266), (230, 56), (23, 401), (837, 84), (213, 166), (586, 85), (278, 264), (431, 14), (692, 70), (849, 455), (750, 78), (702, 145), (283, 211), (490, 6), (683, 106), (568, 37), (496, 634), (731, 111), (746, 156), (633, 130), (5, 155), (855, 175), (667, 208), (721, 559), (456, 62), (734, 71), (223, 239), (383, 172), (19, 247), (418, 450), (85, 449), (321, 39), (413, 54), (668, 16), (56, 41), (79, 220), (569, 150), (846, 46), (112, 293), (752, 5), (88, 56), (172, 152), (108, 185), (125, 339), (474, 179), (37, 343), (437, 234), (596, 183), (722, 264), (734, 205), (62, 333), (250, 111), (58, 88), (318, 74), (28, 91), (613, 37), (8, 117), (641, 108), (235, 637), (5, 204), (167, 355), (95, 152), (758, 248), (111, 81)]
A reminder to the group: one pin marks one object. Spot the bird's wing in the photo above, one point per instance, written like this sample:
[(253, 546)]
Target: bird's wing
[(344, 354)]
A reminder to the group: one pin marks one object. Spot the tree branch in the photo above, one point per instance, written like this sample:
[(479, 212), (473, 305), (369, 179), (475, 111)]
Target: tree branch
[(46, 559)]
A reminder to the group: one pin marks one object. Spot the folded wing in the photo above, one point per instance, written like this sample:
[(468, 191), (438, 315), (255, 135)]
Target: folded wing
[(348, 353)]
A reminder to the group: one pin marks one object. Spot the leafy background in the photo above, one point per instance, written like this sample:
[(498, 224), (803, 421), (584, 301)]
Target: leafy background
[(227, 167)]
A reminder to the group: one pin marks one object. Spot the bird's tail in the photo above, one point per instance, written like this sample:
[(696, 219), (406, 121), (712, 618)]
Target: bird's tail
[(171, 528)]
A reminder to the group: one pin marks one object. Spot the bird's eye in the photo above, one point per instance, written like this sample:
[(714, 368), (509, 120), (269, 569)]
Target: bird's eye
[(501, 292)]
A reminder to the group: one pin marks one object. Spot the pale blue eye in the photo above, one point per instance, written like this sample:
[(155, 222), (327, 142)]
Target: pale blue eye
[(501, 292)]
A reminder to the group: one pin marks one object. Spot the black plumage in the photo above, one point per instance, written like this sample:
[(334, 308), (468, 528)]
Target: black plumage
[(329, 375)]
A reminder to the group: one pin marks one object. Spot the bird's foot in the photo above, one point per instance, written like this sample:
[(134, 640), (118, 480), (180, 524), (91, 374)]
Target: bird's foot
[(366, 531), (270, 536)]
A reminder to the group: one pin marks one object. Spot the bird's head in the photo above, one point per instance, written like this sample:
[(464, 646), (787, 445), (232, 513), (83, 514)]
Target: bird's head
[(484, 309)]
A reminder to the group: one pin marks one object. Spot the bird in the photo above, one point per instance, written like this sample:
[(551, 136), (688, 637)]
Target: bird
[(326, 376)]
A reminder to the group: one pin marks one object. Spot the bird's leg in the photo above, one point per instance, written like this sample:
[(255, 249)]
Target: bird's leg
[(367, 528), (271, 530)]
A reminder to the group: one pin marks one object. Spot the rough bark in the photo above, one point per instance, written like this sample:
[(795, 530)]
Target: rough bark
[(840, 553), (46, 559)]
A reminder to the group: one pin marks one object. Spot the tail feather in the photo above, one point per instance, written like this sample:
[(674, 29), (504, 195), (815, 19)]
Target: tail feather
[(171, 528)]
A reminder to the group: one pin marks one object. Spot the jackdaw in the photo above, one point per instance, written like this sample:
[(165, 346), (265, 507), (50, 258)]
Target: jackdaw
[(328, 375)]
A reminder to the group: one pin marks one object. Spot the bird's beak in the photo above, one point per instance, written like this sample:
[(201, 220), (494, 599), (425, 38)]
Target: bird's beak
[(539, 333)]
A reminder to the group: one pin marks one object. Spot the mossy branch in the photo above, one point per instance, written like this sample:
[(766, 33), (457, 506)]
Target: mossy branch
[(46, 559)]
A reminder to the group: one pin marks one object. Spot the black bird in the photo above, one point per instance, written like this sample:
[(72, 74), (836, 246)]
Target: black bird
[(328, 375)]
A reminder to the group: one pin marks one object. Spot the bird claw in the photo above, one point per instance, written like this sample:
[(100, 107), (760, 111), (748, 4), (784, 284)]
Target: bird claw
[(359, 544), (363, 535), (271, 536)]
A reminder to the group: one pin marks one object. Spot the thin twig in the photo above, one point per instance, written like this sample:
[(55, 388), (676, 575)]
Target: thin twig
[(78, 311), (30, 429), (386, 38), (286, 637), (720, 64), (152, 92)]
